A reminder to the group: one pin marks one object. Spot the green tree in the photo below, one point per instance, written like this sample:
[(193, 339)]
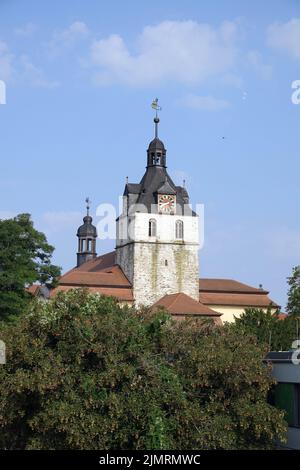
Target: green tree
[(255, 321), (293, 305), (84, 373), (25, 257), (268, 329)]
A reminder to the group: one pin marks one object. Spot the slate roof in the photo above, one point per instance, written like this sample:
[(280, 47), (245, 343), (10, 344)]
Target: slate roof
[(166, 188), (132, 188), (157, 180), (156, 144)]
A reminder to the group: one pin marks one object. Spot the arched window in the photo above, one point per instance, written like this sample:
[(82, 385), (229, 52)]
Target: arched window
[(179, 229), (152, 228), (156, 158)]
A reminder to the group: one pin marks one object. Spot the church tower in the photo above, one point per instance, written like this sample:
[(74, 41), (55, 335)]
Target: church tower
[(157, 233), (87, 235)]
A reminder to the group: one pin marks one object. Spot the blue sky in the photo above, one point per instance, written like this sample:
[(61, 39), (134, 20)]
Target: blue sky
[(80, 79)]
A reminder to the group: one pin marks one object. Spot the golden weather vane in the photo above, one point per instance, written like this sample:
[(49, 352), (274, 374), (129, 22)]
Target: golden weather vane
[(156, 106)]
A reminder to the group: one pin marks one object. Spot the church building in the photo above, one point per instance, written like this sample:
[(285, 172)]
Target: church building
[(156, 258)]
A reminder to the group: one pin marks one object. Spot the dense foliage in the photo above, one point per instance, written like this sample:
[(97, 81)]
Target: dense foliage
[(84, 373), (293, 305), (268, 328), (25, 257)]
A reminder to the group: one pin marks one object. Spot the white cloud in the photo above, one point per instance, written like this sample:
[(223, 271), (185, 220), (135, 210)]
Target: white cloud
[(285, 37), (205, 103), (22, 68), (183, 51), (27, 30), (67, 37), (255, 60), (6, 62), (34, 75)]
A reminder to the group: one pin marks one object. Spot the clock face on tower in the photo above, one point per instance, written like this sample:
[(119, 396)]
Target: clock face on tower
[(166, 204)]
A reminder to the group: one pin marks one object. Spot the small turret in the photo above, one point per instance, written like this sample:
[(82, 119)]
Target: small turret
[(87, 235), (156, 151)]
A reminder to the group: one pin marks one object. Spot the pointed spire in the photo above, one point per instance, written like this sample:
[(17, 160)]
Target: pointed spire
[(156, 120), (88, 205), (156, 106), (156, 150)]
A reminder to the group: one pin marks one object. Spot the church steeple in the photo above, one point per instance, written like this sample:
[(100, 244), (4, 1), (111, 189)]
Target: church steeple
[(157, 232), (87, 234), (156, 153)]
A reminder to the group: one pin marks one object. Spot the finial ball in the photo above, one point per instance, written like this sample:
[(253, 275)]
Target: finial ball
[(156, 120)]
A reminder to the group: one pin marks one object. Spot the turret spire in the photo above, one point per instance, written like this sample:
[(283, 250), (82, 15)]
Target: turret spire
[(156, 106), (156, 150), (156, 120), (88, 205), (87, 234)]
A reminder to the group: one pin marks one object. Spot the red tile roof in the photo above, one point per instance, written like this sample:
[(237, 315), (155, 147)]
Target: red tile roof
[(120, 293), (282, 316), (101, 262), (98, 264), (33, 289), (178, 304), (112, 276), (242, 300), (227, 285), (103, 275), (98, 275), (101, 271)]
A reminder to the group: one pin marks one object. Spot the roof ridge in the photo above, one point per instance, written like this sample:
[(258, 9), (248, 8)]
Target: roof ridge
[(175, 294), (228, 285)]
